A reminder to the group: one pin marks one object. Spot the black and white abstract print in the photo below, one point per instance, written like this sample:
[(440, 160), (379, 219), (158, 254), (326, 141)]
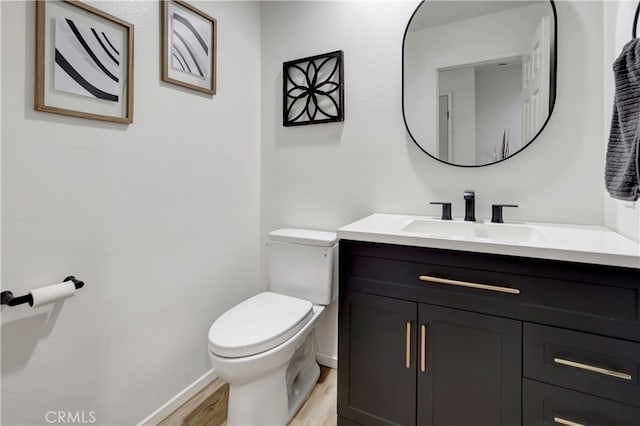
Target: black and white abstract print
[(87, 60), (191, 45)]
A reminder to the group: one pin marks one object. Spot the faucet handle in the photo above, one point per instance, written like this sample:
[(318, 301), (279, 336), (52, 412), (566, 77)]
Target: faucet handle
[(496, 212), (446, 209)]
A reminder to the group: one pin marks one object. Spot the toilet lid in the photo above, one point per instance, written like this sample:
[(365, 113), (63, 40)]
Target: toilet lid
[(258, 324)]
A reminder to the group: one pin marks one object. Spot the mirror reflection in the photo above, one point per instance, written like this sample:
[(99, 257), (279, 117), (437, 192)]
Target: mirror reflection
[(478, 77)]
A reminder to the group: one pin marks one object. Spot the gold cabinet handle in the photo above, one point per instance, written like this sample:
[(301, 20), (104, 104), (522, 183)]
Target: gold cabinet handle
[(407, 361), (423, 348), (566, 422), (592, 368), (437, 280)]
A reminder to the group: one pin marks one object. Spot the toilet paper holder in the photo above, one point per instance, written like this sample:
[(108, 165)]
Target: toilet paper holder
[(7, 297)]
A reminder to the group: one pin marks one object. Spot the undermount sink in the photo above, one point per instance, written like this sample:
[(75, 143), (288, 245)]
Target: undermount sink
[(441, 228), (491, 231), (510, 232)]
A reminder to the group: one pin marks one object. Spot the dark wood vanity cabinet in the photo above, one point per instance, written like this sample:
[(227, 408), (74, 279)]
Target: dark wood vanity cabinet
[(398, 373), (439, 337)]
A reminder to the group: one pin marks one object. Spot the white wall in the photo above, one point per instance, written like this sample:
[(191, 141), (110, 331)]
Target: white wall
[(159, 218), (487, 37), (498, 106), (324, 176), (621, 216)]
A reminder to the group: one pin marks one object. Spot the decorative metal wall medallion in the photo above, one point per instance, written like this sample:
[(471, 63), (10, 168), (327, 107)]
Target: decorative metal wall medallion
[(313, 90)]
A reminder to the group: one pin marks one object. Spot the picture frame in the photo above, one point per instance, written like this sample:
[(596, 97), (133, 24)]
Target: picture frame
[(84, 62), (189, 47), (313, 90)]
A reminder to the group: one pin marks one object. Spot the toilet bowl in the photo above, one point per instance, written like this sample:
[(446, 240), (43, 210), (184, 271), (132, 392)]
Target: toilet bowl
[(264, 347)]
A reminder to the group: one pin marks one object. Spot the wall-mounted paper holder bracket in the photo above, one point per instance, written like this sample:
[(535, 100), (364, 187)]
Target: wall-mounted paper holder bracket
[(7, 297)]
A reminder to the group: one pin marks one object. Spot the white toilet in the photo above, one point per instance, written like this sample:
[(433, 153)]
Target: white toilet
[(264, 347)]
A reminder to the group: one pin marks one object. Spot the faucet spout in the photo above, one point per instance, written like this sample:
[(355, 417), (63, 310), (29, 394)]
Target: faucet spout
[(469, 205)]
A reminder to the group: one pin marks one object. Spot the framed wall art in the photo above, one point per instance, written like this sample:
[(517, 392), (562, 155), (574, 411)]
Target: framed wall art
[(188, 47), (84, 62), (313, 90)]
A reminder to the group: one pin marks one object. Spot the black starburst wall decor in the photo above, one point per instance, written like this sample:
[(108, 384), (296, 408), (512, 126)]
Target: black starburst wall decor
[(313, 90)]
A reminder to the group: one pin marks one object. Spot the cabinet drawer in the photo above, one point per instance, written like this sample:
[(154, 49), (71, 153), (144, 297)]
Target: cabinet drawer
[(593, 364), (592, 298), (550, 405)]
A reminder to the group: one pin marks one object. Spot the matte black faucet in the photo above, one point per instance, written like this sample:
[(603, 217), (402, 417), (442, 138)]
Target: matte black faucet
[(469, 205), (496, 212)]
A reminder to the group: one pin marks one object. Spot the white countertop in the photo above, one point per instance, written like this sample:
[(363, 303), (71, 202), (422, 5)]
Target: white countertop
[(573, 243)]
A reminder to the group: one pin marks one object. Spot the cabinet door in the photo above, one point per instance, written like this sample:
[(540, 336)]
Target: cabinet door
[(472, 369), (377, 359)]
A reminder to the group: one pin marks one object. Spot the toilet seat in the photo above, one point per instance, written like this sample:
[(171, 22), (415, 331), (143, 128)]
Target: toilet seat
[(258, 324)]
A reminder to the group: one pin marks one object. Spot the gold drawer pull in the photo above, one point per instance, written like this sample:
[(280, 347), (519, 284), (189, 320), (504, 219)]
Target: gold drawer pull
[(423, 348), (565, 422), (467, 284), (587, 367), (407, 361)]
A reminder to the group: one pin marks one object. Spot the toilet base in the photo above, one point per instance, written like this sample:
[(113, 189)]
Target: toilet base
[(261, 402), (302, 374), (276, 397)]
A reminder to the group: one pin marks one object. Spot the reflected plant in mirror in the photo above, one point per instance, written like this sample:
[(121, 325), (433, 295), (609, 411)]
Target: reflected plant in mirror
[(479, 77)]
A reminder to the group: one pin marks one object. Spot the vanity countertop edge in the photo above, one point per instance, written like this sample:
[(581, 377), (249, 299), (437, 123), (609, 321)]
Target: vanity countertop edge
[(572, 243)]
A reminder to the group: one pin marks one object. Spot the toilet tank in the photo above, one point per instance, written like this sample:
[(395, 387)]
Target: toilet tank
[(303, 263)]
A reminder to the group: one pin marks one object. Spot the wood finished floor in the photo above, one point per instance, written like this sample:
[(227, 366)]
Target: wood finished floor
[(209, 406), (320, 408)]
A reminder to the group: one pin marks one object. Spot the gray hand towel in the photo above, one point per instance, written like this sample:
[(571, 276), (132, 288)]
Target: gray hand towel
[(622, 167)]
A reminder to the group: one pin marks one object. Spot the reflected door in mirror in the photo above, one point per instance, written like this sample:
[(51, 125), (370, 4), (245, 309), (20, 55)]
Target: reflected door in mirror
[(444, 127), (535, 80)]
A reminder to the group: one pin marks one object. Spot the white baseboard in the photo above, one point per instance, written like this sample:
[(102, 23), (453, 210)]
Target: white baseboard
[(327, 361), (182, 397)]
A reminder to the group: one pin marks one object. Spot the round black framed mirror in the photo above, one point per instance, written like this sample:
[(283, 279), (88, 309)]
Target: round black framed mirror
[(478, 77)]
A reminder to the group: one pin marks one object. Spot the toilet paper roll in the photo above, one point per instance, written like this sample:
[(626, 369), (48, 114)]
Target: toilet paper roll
[(52, 293)]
